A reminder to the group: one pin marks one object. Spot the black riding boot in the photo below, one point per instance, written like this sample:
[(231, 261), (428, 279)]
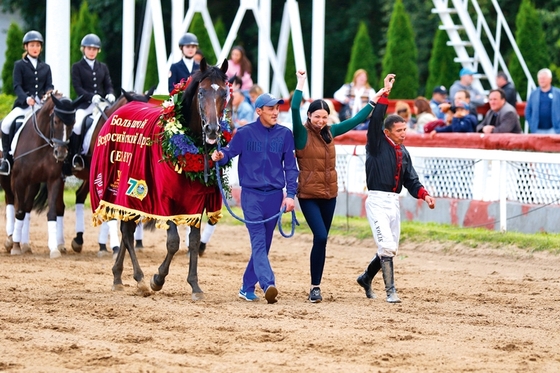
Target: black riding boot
[(5, 163), (74, 160), (365, 279), (389, 278)]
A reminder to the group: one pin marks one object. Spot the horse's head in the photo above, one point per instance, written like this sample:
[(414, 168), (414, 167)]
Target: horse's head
[(205, 99), (62, 118)]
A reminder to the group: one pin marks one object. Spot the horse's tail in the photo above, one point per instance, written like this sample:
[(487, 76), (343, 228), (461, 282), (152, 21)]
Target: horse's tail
[(150, 225), (40, 200)]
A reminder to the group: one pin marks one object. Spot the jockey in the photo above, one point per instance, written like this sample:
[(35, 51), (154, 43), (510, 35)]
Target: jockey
[(90, 79), (187, 66), (32, 80)]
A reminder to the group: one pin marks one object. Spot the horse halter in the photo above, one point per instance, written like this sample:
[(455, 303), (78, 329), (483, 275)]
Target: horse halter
[(219, 116)]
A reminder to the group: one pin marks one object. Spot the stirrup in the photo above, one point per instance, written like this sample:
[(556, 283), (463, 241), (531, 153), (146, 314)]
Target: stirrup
[(78, 162), (9, 168)]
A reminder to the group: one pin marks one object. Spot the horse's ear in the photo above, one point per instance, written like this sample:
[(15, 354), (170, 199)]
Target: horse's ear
[(78, 101), (151, 91), (129, 97), (224, 66), (203, 65), (55, 100)]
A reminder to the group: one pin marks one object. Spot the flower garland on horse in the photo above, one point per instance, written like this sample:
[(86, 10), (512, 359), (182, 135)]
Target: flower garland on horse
[(179, 147)]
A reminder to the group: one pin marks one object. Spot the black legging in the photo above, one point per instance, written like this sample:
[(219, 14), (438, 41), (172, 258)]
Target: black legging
[(319, 214)]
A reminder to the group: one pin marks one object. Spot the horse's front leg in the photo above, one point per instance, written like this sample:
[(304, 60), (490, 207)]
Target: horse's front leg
[(192, 278), (60, 207), (55, 189), (81, 195), (173, 241)]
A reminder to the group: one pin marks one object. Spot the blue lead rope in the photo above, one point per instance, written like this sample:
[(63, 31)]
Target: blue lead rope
[(277, 216)]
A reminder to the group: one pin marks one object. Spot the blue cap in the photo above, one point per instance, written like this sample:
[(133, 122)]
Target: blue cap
[(466, 71), (440, 89), (266, 99)]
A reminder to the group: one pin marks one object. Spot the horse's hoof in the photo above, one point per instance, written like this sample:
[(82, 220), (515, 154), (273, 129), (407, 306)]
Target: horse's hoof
[(102, 253), (16, 250), (26, 249), (8, 244), (197, 296), (201, 249), (143, 289), (61, 248), (154, 286), (118, 287), (55, 254), (76, 246)]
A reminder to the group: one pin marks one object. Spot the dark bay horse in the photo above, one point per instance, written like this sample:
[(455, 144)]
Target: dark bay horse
[(132, 179), (38, 157), (83, 174)]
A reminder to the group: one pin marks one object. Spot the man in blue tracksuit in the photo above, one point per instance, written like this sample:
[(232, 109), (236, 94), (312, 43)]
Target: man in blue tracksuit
[(266, 165)]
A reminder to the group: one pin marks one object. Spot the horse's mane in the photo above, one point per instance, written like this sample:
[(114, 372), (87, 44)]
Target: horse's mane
[(212, 72)]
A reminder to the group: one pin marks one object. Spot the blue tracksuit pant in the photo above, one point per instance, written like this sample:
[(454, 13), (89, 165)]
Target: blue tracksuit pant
[(259, 205)]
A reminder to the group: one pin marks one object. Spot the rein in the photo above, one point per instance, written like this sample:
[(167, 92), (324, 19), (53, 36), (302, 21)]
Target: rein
[(277, 216), (48, 142)]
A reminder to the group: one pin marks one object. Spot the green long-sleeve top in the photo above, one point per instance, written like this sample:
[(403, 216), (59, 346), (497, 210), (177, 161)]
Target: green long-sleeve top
[(300, 133)]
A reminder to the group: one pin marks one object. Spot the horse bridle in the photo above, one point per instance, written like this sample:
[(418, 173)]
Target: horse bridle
[(204, 123), (52, 142)]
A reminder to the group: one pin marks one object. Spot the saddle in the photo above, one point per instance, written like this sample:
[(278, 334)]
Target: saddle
[(15, 126)]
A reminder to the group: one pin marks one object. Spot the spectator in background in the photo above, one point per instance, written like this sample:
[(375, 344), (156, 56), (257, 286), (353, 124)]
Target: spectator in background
[(505, 85), (333, 114), (239, 65), (254, 92), (354, 96), (402, 109), (502, 117), (423, 113), (439, 96), (462, 120), (465, 82), (235, 82), (461, 95), (242, 111), (543, 106)]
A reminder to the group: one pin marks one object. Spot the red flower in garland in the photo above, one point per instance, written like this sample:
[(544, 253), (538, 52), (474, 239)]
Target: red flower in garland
[(181, 86), (227, 136)]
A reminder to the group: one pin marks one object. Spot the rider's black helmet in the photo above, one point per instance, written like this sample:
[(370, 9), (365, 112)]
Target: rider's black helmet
[(188, 39), (91, 40), (33, 36)]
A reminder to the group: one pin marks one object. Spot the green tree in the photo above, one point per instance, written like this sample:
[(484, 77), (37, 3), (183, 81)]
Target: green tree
[(13, 53), (85, 22), (531, 42), (290, 71), (442, 69), (152, 77), (362, 56), (197, 27), (400, 55)]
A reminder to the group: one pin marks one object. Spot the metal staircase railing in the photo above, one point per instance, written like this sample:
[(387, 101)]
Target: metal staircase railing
[(467, 40)]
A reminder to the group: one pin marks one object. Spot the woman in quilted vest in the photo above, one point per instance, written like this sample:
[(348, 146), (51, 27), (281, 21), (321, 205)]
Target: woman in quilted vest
[(317, 182)]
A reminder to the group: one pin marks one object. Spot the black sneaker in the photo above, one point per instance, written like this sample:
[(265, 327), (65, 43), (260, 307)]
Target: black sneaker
[(315, 295)]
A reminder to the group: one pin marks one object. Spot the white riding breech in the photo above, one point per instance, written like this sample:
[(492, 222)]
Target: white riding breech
[(384, 216), (80, 115)]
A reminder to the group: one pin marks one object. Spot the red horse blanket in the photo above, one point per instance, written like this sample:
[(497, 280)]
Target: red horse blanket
[(129, 178)]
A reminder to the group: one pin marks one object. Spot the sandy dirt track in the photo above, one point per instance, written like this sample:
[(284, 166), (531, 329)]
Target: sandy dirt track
[(463, 310)]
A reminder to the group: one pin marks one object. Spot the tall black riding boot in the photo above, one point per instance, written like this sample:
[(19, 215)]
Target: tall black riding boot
[(5, 163), (389, 278), (74, 160), (365, 279)]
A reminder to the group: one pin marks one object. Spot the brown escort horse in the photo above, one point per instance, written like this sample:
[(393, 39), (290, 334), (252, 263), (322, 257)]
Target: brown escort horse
[(38, 157)]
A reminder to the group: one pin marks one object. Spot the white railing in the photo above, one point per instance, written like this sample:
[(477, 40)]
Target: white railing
[(479, 174)]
